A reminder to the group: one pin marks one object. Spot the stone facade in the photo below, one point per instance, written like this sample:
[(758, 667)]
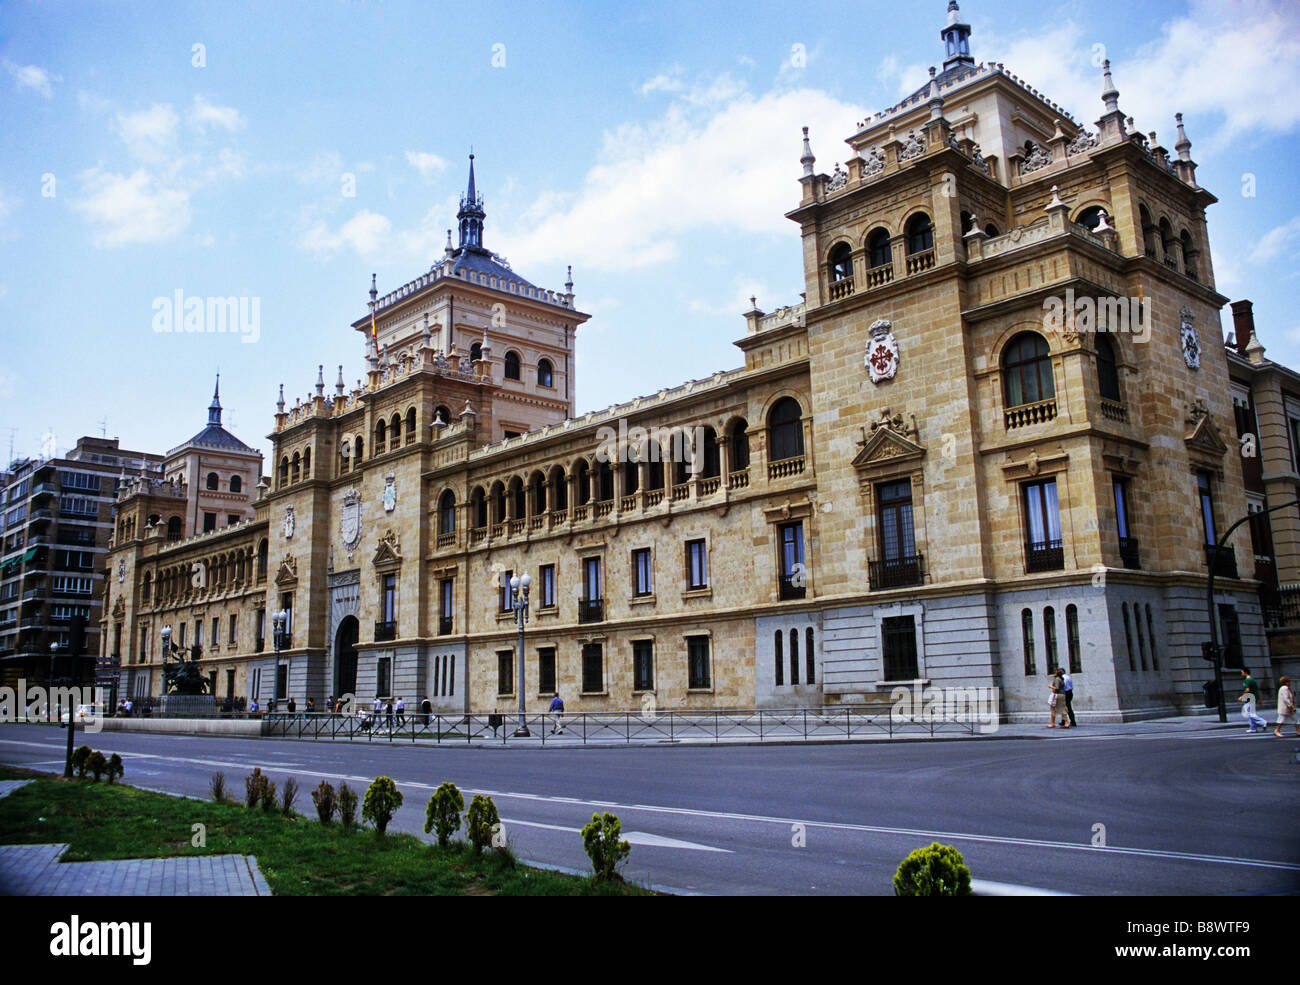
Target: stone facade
[(995, 437)]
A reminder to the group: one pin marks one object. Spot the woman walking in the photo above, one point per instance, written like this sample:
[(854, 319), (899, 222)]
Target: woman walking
[(1286, 714), (1056, 704)]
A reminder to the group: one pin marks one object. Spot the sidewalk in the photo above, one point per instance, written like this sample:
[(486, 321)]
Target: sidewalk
[(36, 870)]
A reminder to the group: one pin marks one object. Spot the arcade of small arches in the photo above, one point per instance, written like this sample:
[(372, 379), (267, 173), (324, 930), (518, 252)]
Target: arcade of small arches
[(230, 570), (877, 253), (1029, 385)]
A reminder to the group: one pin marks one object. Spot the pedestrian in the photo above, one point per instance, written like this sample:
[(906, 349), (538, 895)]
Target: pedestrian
[(557, 709), (378, 717), (252, 707), (291, 707), (1054, 700), (1285, 707), (1249, 698), (426, 709), (329, 705), (130, 707), (311, 706), (1067, 682), (401, 712), (388, 713)]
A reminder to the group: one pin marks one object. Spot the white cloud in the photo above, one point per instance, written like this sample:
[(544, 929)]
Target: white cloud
[(131, 210), (1277, 240), (366, 232), (204, 114), (669, 81), (33, 77), (738, 302), (731, 167), (427, 164), (149, 134)]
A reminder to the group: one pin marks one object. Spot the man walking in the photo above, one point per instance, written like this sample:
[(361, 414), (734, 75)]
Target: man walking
[(1249, 699), (401, 711), (557, 709), (1067, 683)]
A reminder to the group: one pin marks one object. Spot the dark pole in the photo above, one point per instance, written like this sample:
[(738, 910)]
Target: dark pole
[(1217, 657), (72, 725)]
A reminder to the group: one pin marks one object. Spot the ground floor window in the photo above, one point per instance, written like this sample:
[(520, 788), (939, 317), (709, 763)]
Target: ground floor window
[(898, 646), (697, 658), (593, 678)]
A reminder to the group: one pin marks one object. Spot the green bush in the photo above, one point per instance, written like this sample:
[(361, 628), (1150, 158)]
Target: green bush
[(268, 795), (443, 813), (79, 757), (601, 840), (382, 801), (254, 783), (938, 870), (325, 801), (218, 787), (480, 821), (115, 767), (347, 808), (97, 765)]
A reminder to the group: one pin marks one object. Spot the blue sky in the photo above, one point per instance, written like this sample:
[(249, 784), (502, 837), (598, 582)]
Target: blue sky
[(301, 146)]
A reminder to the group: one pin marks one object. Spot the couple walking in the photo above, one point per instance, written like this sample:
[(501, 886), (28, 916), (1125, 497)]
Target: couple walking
[(1286, 708), (1062, 700)]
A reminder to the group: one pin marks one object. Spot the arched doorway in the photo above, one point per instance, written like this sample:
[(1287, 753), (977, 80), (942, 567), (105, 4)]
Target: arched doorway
[(345, 656)]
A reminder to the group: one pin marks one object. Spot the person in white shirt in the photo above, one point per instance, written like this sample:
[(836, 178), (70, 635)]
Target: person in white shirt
[(1067, 683)]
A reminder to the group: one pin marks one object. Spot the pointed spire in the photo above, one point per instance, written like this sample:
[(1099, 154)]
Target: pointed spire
[(374, 290), (449, 249), (214, 408), (956, 39), (807, 160), (1109, 94), (471, 214), (426, 338), (279, 404), (1184, 146), (935, 100), (320, 380), (339, 386), (568, 284)]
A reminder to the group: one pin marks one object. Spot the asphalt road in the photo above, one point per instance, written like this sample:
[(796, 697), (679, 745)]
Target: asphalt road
[(1198, 813)]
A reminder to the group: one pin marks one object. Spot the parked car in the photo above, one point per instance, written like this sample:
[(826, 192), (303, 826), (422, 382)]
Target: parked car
[(83, 713)]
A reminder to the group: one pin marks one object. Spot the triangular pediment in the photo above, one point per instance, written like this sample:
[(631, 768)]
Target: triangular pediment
[(1205, 437), (389, 553), (887, 447), (288, 573), (119, 608)]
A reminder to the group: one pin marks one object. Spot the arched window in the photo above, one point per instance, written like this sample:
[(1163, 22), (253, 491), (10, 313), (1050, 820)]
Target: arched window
[(447, 512), (512, 365), (1107, 371), (1090, 218), (381, 437), (1168, 245), (1128, 638), (712, 457), (560, 489), (631, 476), (361, 448), (295, 468), (920, 234), (991, 230), (1027, 633), (518, 496), (410, 425), (778, 648), (395, 426), (1148, 231), (879, 252), (236, 484), (212, 480), (545, 375), (174, 528), (498, 503), (262, 552), (1027, 370), (582, 482), (475, 352), (1072, 639), (785, 429), (1049, 638), (478, 507), (1190, 255), (147, 588), (1151, 631), (604, 482), (739, 445), (537, 494), (841, 262), (794, 656), (810, 676), (306, 463), (284, 471), (442, 413)]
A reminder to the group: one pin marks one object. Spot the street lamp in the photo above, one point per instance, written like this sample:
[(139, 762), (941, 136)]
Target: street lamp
[(279, 621), (519, 603), (54, 649)]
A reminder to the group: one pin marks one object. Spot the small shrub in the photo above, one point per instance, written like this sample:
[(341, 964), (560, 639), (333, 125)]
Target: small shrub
[(97, 765), (382, 801), (480, 819), (268, 795), (601, 840), (115, 767), (218, 787), (347, 807), (443, 813), (325, 801), (253, 786), (79, 757), (938, 870), (287, 796)]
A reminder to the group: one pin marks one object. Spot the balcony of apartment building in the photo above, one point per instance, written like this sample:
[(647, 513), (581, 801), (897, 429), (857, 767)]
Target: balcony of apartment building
[(444, 625), (1044, 555), (591, 610), (1129, 554), (1223, 562), (386, 631), (904, 571)]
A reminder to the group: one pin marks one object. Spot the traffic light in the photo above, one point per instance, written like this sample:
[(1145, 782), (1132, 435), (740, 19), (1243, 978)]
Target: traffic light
[(1210, 652)]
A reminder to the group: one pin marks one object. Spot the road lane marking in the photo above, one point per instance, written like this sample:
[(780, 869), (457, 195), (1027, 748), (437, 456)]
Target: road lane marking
[(632, 837), (919, 833)]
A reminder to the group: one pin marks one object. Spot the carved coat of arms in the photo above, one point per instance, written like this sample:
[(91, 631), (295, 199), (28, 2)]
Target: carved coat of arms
[(288, 522), (1191, 344), (882, 352), (350, 520), (390, 494)]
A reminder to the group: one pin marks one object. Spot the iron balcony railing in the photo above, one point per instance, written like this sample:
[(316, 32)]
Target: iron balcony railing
[(386, 631), (896, 572), (1044, 555), (791, 586), (444, 625), (591, 610), (1223, 561), (1128, 553)]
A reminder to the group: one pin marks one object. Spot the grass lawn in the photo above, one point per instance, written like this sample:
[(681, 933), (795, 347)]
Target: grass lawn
[(298, 857)]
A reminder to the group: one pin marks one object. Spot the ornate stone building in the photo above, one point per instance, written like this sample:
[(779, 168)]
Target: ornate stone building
[(995, 437)]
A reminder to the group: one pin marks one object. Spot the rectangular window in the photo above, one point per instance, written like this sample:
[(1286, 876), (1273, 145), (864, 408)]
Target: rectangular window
[(593, 665), (384, 676), (546, 670), (1229, 634), (697, 565), (1207, 507), (642, 576), (1072, 638), (793, 576), (697, 663), (389, 606), (198, 632), (234, 620), (505, 590), (444, 612), (643, 665), (1027, 631), (897, 537), (591, 606), (1044, 550), (898, 643), (546, 586), (216, 631), (231, 519), (1049, 638), (505, 672), (209, 522)]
